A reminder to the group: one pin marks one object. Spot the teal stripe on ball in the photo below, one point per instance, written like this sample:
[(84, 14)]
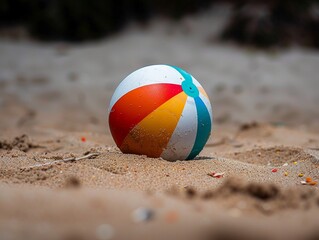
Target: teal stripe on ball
[(204, 126)]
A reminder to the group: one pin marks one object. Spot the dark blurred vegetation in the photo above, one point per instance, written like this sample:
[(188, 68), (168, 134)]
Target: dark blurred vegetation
[(274, 23), (77, 20), (259, 23)]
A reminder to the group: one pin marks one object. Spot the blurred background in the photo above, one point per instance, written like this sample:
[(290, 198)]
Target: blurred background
[(61, 60)]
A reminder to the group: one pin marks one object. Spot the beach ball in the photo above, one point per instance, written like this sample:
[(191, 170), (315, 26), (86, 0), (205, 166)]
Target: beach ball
[(160, 111)]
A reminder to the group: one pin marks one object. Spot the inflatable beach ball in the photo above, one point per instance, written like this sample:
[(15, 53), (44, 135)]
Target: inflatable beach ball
[(160, 111)]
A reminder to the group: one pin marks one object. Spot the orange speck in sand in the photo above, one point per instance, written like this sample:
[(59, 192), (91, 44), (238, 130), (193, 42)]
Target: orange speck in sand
[(83, 139), (308, 179), (171, 217)]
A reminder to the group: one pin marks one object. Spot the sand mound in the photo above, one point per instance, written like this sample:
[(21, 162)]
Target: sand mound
[(267, 198), (274, 156)]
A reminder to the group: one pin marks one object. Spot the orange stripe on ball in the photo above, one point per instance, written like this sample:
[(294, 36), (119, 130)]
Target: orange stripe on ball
[(152, 134), (135, 105)]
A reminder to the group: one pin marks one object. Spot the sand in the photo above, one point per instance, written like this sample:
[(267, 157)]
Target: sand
[(77, 200), (264, 143)]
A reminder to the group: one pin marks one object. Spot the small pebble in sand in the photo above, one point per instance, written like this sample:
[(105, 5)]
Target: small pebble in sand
[(216, 175), (142, 215), (285, 165), (104, 232), (285, 174), (274, 170), (295, 163), (309, 181), (83, 139), (300, 175), (312, 183)]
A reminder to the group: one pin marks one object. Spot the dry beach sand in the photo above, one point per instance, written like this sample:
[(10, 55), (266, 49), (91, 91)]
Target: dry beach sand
[(53, 101), (75, 200)]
